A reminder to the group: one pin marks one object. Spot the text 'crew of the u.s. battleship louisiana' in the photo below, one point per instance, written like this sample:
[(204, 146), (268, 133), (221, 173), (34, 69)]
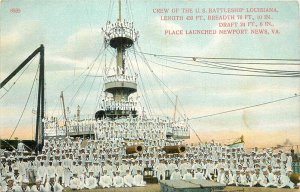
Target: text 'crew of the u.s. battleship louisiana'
[(123, 145)]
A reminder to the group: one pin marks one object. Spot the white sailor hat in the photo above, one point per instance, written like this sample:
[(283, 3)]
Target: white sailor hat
[(25, 180)]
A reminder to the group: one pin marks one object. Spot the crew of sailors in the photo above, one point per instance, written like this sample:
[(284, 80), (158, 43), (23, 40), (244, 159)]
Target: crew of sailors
[(125, 78), (89, 164), (110, 104), (120, 29), (138, 129), (130, 128)]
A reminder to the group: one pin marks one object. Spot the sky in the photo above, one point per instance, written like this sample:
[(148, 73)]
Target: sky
[(72, 36)]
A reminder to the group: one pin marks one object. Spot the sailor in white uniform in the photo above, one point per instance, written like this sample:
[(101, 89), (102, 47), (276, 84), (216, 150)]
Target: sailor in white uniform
[(67, 164), (123, 167), (248, 179), (226, 178), (220, 173), (97, 171), (209, 169), (255, 177), (56, 185), (91, 181), (283, 180), (161, 170), (184, 166), (199, 174), (10, 185), (108, 168), (138, 179), (171, 167), (41, 172), (50, 170), (243, 179), (25, 187), (237, 178), (105, 180), (118, 181), (59, 172), (176, 175), (75, 182), (128, 179), (17, 178), (271, 178), (188, 175), (21, 148), (18, 187), (133, 168), (47, 187), (264, 179), (37, 187)]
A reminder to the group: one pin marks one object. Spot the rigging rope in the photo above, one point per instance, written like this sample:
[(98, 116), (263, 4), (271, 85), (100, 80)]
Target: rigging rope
[(105, 72), (224, 58), (146, 99), (247, 107), (25, 103), (110, 9), (159, 81), (236, 68), (7, 90), (92, 83), (98, 96), (162, 82), (224, 74), (152, 92), (89, 68)]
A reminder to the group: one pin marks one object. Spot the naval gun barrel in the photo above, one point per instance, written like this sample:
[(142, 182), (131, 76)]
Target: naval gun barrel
[(174, 149), (134, 149), (294, 177)]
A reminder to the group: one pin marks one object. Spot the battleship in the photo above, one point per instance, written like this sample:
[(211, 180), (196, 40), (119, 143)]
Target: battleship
[(121, 132)]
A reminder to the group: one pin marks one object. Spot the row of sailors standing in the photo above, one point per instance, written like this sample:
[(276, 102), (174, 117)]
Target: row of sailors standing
[(210, 158), (120, 29), (110, 147), (137, 130), (71, 173), (114, 78), (133, 128), (119, 105), (255, 178), (215, 153), (54, 180)]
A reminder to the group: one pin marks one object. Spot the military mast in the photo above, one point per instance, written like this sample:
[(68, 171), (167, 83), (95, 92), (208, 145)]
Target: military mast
[(120, 35)]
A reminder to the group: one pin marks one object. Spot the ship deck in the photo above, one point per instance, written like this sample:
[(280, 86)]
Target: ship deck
[(156, 188)]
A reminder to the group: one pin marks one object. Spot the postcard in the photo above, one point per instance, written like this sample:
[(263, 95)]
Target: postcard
[(137, 77)]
